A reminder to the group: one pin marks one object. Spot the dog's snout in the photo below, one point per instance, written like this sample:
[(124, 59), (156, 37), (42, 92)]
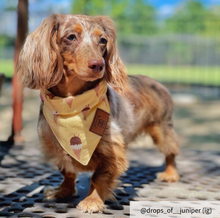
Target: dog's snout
[(96, 65)]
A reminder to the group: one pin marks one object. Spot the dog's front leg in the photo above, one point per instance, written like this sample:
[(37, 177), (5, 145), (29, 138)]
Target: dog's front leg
[(104, 180), (66, 188), (102, 183)]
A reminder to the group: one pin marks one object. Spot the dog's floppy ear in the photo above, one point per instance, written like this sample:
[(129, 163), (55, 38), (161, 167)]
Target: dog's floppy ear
[(40, 64), (115, 73)]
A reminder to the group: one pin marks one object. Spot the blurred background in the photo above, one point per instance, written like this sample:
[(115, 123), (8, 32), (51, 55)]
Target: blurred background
[(176, 42)]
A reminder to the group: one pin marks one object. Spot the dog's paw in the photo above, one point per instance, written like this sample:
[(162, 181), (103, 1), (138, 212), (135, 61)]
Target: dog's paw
[(165, 176), (91, 205), (59, 192)]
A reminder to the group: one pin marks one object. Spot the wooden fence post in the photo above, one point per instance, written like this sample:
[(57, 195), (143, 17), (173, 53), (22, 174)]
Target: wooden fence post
[(22, 29)]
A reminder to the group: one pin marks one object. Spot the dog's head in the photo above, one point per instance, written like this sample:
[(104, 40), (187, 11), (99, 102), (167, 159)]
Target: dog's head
[(71, 45)]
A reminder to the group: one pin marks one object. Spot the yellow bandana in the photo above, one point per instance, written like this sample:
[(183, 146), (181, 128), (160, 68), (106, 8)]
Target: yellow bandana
[(78, 122)]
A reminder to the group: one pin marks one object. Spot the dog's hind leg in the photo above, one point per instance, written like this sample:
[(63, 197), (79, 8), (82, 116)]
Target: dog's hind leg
[(164, 136), (66, 188)]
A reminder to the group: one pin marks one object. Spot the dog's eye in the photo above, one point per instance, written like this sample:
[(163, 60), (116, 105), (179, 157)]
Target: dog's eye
[(103, 41), (71, 37)]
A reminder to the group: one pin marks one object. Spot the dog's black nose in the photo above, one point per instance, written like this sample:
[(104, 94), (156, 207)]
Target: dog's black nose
[(96, 65)]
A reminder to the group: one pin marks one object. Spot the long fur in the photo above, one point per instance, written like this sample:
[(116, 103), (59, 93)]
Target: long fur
[(56, 57), (45, 65)]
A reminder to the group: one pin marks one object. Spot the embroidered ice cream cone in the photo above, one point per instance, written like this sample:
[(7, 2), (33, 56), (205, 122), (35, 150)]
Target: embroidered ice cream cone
[(85, 111), (55, 116), (76, 145), (103, 98), (69, 101)]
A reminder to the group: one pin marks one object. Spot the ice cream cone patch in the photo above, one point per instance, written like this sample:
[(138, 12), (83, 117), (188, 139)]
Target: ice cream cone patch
[(78, 122)]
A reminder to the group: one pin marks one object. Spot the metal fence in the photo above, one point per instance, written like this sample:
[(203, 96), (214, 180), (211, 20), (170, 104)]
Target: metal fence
[(161, 50), (171, 50)]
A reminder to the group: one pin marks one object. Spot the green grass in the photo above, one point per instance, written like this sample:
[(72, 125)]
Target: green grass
[(7, 67), (207, 75)]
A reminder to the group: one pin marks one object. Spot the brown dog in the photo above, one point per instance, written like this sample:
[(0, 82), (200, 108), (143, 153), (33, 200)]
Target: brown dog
[(70, 54)]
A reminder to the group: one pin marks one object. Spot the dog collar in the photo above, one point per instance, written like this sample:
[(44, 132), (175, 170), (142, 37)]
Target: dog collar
[(78, 122)]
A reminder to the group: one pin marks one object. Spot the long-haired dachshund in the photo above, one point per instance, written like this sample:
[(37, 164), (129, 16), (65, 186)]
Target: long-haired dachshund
[(70, 55)]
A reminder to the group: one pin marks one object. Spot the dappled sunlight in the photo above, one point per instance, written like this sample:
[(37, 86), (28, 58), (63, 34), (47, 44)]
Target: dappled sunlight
[(197, 125)]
